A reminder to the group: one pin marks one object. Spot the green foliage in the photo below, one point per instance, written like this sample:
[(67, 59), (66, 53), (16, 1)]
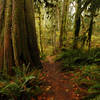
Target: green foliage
[(85, 66), (72, 58), (42, 56), (10, 89), (89, 79), (22, 84), (95, 4), (96, 98)]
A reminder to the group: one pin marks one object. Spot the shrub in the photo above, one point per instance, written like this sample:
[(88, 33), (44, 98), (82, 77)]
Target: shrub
[(22, 86), (89, 79), (72, 58)]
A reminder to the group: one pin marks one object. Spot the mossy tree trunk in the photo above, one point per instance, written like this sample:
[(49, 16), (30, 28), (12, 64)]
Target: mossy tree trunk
[(40, 31), (63, 22), (77, 25), (18, 41), (79, 10), (90, 31)]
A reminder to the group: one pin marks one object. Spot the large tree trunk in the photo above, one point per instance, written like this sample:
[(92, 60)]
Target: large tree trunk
[(18, 41)]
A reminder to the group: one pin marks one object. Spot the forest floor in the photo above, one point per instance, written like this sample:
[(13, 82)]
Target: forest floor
[(59, 84)]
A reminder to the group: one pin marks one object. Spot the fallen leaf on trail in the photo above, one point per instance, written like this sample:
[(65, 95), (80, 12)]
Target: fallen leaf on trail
[(62, 80), (67, 90), (47, 75), (78, 95), (51, 98), (48, 88), (65, 76), (73, 85), (41, 98)]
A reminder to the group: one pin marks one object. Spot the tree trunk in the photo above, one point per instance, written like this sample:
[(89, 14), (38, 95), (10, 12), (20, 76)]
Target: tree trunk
[(80, 9), (63, 22), (40, 31), (18, 41), (77, 25), (90, 32), (58, 17)]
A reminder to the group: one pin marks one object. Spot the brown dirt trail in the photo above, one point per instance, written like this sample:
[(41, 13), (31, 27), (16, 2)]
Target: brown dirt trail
[(60, 85)]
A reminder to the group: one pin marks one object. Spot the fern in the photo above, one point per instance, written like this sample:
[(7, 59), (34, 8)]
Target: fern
[(79, 57), (23, 83), (96, 98)]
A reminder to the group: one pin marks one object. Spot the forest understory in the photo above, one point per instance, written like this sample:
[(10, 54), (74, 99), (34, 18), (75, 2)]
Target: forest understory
[(49, 49)]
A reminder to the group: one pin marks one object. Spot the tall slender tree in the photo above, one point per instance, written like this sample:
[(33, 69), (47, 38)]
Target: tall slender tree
[(81, 5), (95, 5), (63, 21), (77, 24), (40, 31)]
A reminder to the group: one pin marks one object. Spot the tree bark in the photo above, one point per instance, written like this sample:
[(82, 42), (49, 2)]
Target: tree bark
[(63, 21), (90, 32), (80, 9), (40, 31), (18, 40), (77, 25)]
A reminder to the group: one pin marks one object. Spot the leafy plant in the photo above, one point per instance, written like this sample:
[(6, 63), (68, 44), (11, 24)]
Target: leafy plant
[(89, 79), (24, 83), (96, 98), (72, 59), (42, 56)]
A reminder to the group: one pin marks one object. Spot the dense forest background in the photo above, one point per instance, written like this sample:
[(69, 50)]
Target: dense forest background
[(58, 24), (49, 50)]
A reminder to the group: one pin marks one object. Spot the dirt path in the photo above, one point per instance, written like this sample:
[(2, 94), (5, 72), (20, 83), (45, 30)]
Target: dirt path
[(60, 86)]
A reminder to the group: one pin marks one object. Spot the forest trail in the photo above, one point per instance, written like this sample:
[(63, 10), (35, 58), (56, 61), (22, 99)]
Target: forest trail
[(60, 85)]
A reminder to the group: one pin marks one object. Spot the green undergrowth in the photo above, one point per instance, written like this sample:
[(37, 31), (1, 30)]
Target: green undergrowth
[(88, 79), (85, 67), (43, 56), (96, 98), (71, 59), (22, 86)]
